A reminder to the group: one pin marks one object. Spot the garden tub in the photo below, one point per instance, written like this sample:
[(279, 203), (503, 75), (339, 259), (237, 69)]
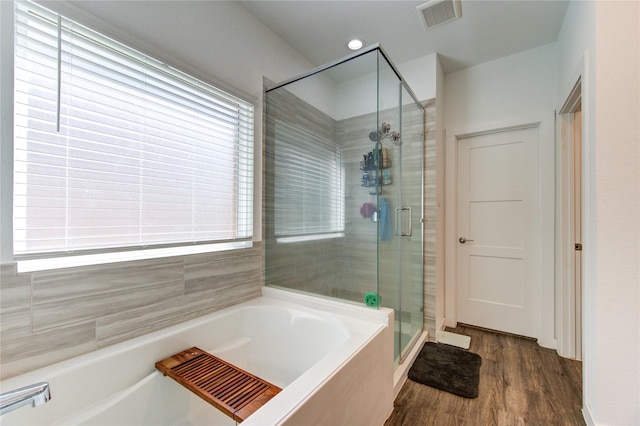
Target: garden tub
[(332, 360)]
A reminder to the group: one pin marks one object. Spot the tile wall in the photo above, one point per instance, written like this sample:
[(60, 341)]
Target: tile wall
[(358, 249), (429, 227), (356, 259), (46, 317), (306, 266)]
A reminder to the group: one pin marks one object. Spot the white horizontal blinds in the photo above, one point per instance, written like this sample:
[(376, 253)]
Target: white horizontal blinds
[(145, 155), (309, 183)]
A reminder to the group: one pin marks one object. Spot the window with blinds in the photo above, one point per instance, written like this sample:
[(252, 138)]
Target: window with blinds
[(116, 151), (309, 185)]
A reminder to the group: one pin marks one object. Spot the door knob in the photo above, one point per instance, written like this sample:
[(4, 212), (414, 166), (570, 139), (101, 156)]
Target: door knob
[(463, 240)]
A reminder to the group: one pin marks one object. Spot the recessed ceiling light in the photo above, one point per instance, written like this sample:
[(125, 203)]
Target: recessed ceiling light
[(355, 44)]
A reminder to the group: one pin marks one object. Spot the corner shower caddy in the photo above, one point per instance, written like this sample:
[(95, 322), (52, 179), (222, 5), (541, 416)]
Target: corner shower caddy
[(375, 175), (376, 162)]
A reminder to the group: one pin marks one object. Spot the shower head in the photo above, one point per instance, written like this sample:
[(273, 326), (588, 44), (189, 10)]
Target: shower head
[(386, 132)]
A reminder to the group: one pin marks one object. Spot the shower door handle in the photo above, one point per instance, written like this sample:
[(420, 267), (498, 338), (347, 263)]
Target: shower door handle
[(399, 219), (408, 234)]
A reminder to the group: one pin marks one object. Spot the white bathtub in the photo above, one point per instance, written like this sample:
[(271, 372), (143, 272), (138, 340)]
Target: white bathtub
[(332, 360)]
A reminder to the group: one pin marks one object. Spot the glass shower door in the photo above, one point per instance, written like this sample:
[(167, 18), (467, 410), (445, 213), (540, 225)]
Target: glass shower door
[(410, 221), (389, 195), (400, 270)]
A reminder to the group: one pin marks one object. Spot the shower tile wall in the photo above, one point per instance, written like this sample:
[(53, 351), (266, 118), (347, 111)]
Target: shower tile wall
[(306, 266), (346, 268), (430, 205), (357, 250), (358, 253)]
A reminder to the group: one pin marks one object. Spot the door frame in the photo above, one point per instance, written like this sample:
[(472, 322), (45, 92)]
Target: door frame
[(569, 298), (544, 120)]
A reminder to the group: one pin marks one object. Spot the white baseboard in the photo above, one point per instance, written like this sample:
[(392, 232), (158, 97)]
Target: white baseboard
[(588, 416), (441, 326)]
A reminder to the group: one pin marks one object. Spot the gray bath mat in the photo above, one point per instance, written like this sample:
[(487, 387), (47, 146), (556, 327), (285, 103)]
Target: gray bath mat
[(447, 368)]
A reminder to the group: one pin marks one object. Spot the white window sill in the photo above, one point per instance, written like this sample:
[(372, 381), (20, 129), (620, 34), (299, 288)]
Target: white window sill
[(301, 238), (34, 265)]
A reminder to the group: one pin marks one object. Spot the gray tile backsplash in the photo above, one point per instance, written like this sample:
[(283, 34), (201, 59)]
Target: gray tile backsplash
[(47, 317), (15, 303)]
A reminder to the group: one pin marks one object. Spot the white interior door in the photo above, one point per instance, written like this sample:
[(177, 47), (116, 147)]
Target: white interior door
[(497, 225)]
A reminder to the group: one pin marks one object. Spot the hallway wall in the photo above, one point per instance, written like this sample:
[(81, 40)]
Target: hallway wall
[(606, 37), (510, 91)]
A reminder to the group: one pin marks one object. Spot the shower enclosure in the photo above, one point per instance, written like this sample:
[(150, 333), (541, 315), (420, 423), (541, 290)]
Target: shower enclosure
[(343, 190)]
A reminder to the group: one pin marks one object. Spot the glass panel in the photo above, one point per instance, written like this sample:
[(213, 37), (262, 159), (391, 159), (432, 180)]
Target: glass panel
[(319, 233), (390, 195), (411, 258)]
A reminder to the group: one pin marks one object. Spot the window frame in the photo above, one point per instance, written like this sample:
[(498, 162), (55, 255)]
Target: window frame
[(336, 226), (109, 255)]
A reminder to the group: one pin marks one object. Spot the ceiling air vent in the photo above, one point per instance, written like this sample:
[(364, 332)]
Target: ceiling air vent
[(437, 12)]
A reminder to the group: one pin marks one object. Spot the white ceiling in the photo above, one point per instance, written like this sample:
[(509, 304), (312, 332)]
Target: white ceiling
[(487, 30)]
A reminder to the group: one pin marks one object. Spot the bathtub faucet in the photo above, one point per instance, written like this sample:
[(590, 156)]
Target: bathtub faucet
[(36, 394)]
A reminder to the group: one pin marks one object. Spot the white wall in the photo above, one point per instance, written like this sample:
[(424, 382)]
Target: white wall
[(615, 333), (601, 41), (420, 75), (358, 96), (353, 97), (317, 90), (616, 328), (492, 93), (220, 40), (576, 58), (510, 91), (6, 132)]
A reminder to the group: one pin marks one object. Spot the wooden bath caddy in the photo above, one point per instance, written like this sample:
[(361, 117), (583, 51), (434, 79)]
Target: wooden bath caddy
[(228, 388)]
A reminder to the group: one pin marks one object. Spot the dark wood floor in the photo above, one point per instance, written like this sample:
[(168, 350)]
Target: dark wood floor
[(520, 383)]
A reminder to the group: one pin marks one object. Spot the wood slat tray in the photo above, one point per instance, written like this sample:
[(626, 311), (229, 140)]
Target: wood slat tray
[(232, 390)]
